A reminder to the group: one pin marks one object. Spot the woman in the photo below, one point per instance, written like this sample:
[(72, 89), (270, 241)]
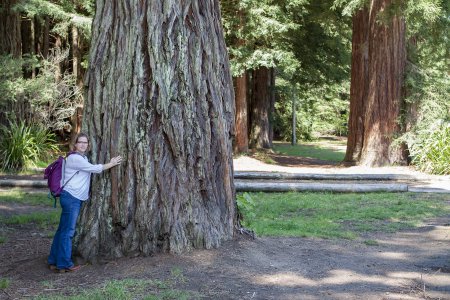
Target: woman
[(74, 193)]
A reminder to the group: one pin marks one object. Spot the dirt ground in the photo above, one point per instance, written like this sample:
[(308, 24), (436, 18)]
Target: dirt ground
[(411, 264)]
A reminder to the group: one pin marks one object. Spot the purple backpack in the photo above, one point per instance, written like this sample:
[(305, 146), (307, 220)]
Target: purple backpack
[(54, 174)]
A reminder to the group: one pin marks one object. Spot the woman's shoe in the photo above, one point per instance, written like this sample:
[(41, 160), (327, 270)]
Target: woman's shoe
[(52, 267), (71, 269)]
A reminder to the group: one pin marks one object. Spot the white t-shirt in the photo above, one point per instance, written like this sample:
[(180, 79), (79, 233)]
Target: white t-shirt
[(79, 185)]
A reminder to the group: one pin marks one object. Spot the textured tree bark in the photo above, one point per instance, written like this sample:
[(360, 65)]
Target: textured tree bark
[(59, 71), (10, 44), (260, 105), (387, 58), (77, 72), (28, 39), (359, 85), (272, 100), (241, 138), (159, 93), (10, 36), (46, 38)]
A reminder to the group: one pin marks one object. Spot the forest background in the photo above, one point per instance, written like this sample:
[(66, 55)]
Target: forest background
[(292, 67)]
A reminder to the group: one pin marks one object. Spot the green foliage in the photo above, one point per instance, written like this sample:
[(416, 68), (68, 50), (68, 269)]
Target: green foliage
[(320, 110), (13, 86), (328, 215), (52, 101), (309, 45), (3, 239), (65, 13), (427, 110), (254, 32), (246, 206), (22, 145), (432, 154)]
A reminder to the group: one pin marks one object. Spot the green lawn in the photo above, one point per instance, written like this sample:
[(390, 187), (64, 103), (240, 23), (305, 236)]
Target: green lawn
[(43, 219), (18, 196), (327, 215), (322, 149)]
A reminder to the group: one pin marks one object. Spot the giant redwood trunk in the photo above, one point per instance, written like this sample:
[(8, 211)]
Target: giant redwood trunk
[(159, 93), (241, 137), (387, 58), (376, 87), (260, 108), (359, 84)]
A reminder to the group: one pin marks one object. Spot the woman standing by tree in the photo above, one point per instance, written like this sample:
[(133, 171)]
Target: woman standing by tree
[(74, 193)]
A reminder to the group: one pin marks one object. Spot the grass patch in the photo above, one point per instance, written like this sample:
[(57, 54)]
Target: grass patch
[(4, 283), (371, 243), (327, 215), (17, 196), (128, 289), (318, 150), (41, 219), (2, 239)]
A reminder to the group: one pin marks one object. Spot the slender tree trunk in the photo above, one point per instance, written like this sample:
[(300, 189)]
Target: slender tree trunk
[(28, 40), (359, 85), (259, 137), (60, 69), (241, 139), (46, 38), (10, 36), (77, 72), (10, 44), (387, 57), (272, 104), (159, 93), (241, 92), (294, 122)]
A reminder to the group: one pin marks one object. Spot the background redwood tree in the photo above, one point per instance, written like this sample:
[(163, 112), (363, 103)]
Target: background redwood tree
[(160, 94), (358, 85), (377, 85)]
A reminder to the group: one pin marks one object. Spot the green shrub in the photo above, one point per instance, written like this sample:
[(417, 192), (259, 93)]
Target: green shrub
[(23, 145), (246, 206), (433, 154), (49, 102)]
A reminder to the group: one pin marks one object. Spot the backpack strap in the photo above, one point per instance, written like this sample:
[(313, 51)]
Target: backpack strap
[(64, 169), (69, 179), (50, 196)]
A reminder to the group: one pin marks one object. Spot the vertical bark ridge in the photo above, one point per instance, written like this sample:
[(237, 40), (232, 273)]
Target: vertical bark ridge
[(387, 56), (160, 94), (260, 106), (359, 85)]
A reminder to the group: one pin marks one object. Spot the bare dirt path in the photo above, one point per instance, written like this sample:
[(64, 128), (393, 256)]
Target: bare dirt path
[(413, 264)]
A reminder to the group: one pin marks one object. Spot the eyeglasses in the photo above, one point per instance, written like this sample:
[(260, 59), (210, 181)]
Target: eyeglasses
[(82, 142)]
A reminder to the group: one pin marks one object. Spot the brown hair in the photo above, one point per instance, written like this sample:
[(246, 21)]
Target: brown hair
[(75, 140)]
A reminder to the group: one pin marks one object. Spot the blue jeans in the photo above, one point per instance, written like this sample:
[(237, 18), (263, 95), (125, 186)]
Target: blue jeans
[(61, 251)]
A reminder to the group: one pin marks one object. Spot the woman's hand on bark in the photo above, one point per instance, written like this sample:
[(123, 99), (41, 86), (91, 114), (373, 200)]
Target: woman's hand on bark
[(116, 160)]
